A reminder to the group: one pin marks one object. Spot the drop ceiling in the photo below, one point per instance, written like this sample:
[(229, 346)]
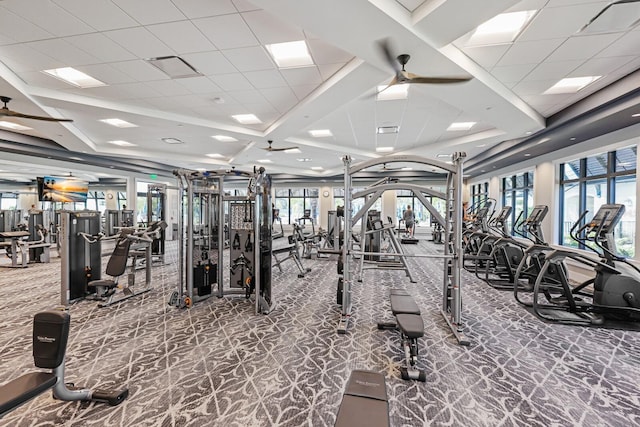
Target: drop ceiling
[(225, 41)]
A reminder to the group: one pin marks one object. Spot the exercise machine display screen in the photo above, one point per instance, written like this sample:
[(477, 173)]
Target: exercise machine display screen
[(608, 216), (537, 214)]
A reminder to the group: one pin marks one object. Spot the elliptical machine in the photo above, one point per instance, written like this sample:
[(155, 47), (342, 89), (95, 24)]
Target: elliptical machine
[(616, 285)]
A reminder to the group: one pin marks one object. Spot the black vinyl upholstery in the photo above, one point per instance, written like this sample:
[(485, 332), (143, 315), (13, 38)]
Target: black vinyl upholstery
[(24, 388), (364, 403), (411, 325), (403, 304)]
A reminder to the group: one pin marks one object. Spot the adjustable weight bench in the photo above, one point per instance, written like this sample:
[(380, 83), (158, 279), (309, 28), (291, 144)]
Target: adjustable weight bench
[(364, 403), (50, 335), (411, 326)]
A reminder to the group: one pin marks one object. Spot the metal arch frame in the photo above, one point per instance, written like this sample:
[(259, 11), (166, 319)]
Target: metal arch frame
[(452, 295)]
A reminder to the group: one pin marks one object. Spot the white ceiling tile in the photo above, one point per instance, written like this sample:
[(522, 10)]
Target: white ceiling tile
[(303, 90), (533, 87), (101, 47), (23, 58), (203, 8), (249, 58), (328, 70), (244, 5), (512, 73), (120, 92), (247, 96), (266, 79), (149, 12), (302, 76), (210, 63), (190, 39), (101, 15), (324, 53), (140, 42), (551, 23), (628, 44), (39, 79), (487, 56), (410, 5), (235, 81), (529, 52), (282, 98), (558, 3), (18, 29), (582, 47), (168, 87), (6, 39), (602, 66), (64, 52), (199, 85), (227, 31), (552, 70), (528, 5), (140, 70), (270, 29), (107, 74), (49, 16), (202, 100)]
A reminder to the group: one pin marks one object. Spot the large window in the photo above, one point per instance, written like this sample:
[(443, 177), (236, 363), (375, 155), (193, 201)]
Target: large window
[(517, 192), (8, 201), (479, 193), (292, 203), (407, 198), (588, 183)]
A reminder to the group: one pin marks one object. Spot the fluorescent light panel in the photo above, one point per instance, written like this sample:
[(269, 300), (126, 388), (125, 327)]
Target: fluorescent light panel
[(224, 138), (320, 133), (122, 143), (13, 126), (119, 123), (215, 155), (293, 151), (384, 149), (501, 29), (74, 77), (570, 85), (456, 126), (265, 161), (615, 17), (290, 54), (305, 159), (317, 168), (382, 130), (246, 119), (392, 93), (443, 155)]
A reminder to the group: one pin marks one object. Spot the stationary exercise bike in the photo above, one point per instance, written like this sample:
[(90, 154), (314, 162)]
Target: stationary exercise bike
[(615, 293)]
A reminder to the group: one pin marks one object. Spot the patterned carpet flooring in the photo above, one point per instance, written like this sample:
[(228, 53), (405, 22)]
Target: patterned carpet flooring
[(219, 364)]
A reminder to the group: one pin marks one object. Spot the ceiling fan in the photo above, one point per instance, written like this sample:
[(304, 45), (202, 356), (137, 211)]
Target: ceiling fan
[(403, 76), (271, 149), (5, 111)]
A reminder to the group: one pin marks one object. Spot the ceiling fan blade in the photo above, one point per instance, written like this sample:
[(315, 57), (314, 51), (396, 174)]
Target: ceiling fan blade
[(269, 148), (388, 56), (413, 78), (10, 113)]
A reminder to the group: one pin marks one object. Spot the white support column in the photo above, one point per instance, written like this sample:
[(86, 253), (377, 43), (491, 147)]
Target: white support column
[(132, 197), (388, 201), (545, 193)]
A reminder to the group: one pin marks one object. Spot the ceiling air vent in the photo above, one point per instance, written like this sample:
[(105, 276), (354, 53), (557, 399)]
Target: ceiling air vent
[(174, 66)]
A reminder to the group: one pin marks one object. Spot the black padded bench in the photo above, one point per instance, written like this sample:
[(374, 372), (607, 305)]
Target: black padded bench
[(364, 403), (411, 326)]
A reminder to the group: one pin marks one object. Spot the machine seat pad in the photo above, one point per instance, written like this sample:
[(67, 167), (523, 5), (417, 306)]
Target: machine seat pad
[(411, 325), (24, 388), (105, 283), (364, 403), (397, 291), (283, 250), (403, 304)]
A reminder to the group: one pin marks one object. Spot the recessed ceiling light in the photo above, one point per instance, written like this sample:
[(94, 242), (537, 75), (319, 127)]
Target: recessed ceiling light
[(527, 155), (443, 155), (572, 138), (292, 151), (456, 126), (635, 115), (528, 132), (13, 126), (264, 161), (387, 129), (482, 170), (122, 143), (74, 77), (481, 145), (317, 168), (304, 159), (118, 123), (76, 158), (201, 169), (215, 155), (320, 133), (543, 140), (172, 140), (384, 149), (392, 93), (290, 54), (501, 29), (407, 169), (174, 66), (570, 85), (247, 119), (224, 138), (616, 16)]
